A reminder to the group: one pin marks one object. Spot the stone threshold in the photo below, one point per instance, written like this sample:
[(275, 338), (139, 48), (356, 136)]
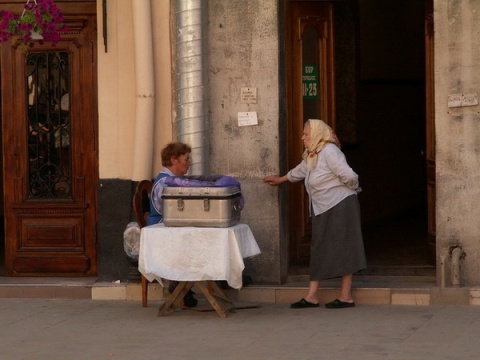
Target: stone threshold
[(368, 290)]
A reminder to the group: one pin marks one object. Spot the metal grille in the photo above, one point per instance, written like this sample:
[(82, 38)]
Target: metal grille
[(49, 128)]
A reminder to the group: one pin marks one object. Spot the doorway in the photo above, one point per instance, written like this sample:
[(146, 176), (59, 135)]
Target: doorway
[(50, 160), (378, 98)]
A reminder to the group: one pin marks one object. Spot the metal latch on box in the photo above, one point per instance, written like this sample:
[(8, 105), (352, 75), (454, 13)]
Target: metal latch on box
[(236, 206), (181, 205)]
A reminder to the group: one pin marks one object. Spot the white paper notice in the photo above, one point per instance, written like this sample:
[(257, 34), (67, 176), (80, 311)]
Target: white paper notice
[(248, 95), (458, 100), (247, 118)]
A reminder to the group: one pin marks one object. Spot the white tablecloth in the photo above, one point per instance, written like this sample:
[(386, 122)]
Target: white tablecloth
[(196, 253)]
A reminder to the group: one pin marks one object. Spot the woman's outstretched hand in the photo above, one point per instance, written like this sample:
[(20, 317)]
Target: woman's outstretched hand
[(274, 179)]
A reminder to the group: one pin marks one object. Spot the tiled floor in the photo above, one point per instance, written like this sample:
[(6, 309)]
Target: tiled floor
[(80, 329)]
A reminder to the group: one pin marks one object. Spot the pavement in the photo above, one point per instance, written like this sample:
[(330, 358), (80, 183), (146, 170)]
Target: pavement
[(84, 329)]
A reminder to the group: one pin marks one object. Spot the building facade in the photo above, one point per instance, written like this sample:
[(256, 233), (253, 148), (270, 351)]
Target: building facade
[(397, 81)]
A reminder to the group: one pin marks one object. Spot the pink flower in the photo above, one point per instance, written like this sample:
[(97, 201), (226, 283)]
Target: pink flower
[(42, 16)]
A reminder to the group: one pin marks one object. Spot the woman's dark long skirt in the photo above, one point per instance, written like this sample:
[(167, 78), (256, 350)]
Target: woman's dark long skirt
[(337, 244)]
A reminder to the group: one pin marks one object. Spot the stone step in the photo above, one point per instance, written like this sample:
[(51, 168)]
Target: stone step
[(368, 290), (367, 296), (46, 288)]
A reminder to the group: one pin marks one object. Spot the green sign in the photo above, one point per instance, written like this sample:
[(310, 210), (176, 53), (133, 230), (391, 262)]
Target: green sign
[(310, 81)]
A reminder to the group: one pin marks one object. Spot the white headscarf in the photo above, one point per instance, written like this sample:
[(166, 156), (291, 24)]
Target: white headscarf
[(320, 135)]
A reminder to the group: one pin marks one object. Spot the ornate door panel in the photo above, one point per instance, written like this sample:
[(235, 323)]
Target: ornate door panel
[(50, 154), (310, 92)]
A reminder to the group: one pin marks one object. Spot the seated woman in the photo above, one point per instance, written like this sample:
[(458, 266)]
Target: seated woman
[(176, 162)]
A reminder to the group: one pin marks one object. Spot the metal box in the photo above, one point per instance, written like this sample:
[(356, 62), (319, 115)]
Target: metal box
[(201, 206)]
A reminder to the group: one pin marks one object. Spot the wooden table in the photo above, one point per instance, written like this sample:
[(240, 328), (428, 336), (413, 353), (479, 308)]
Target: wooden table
[(196, 256)]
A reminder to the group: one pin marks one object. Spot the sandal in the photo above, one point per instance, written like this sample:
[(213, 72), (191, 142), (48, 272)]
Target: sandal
[(338, 304), (302, 304)]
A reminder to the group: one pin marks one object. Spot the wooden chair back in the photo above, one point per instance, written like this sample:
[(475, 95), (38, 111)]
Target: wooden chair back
[(141, 201)]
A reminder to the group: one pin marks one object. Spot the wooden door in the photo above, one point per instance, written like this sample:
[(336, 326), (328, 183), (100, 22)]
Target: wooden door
[(310, 93), (49, 118), (430, 130)]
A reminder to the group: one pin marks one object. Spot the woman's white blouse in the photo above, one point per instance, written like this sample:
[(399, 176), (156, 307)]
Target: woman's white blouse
[(329, 182)]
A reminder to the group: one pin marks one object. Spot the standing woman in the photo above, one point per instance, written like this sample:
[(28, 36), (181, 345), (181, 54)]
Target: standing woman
[(332, 186)]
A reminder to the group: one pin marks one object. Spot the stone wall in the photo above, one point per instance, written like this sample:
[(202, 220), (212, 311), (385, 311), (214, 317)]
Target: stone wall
[(243, 51), (457, 71)]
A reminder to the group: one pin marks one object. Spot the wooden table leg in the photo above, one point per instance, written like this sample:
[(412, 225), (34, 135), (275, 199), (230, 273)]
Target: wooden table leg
[(215, 296), (174, 299), (212, 295), (218, 293)]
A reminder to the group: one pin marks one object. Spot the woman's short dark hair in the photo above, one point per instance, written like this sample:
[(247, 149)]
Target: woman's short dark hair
[(174, 150)]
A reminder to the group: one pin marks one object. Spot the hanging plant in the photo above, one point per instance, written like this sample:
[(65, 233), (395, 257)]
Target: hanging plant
[(40, 20)]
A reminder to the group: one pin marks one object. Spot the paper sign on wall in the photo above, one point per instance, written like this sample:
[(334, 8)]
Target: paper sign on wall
[(458, 100), (248, 95), (247, 118)]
